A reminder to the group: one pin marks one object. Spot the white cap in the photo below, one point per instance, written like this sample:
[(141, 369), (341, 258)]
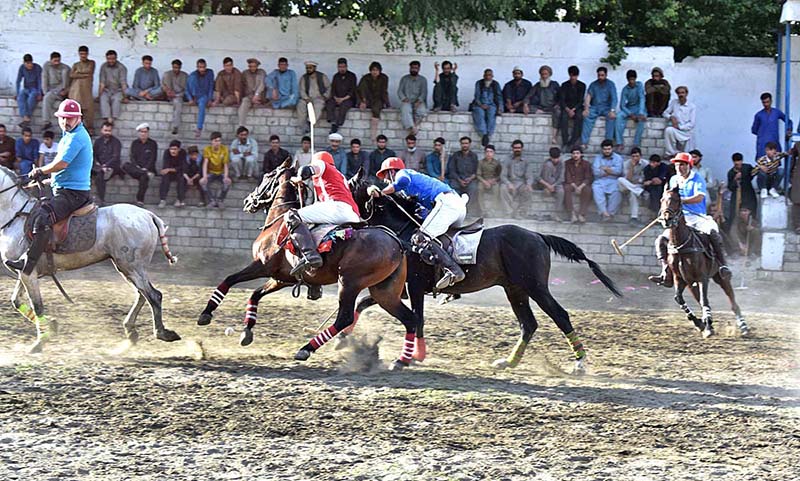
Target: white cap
[(336, 136), (143, 126)]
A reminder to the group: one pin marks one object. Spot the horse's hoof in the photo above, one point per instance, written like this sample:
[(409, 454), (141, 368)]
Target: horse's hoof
[(302, 355), (708, 332), (341, 341), (37, 346), (698, 323), (398, 365), (133, 337), (580, 367), (168, 336), (246, 338), (500, 364), (204, 319)]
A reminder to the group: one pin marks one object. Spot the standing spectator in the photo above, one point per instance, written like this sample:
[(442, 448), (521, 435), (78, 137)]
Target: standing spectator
[(228, 85), (200, 92), (606, 169), (356, 159), (55, 87), (601, 99), (173, 84), (656, 176), (544, 98), (551, 180), (253, 85), (656, 91), (315, 88), (436, 161), (282, 86), (462, 173), (343, 95), (244, 155), (192, 172), (142, 163), (113, 84), (303, 155), (215, 171), (27, 151), (445, 87), (146, 82), (740, 176), (632, 182), (7, 146), (337, 152), (517, 93), (489, 171), (681, 114), (412, 157), (769, 171), (486, 105), (517, 180), (80, 88), (413, 94), (47, 149), (377, 156), (711, 183), (765, 125), (631, 106), (29, 88), (577, 181), (570, 99), (274, 156), (172, 171), (373, 94), (107, 159)]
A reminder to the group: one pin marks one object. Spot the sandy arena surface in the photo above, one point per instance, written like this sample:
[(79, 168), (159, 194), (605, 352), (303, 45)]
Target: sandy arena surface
[(658, 402)]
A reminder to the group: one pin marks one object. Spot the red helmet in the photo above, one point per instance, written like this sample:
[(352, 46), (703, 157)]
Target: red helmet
[(392, 163), (69, 109), (682, 157), (325, 157)]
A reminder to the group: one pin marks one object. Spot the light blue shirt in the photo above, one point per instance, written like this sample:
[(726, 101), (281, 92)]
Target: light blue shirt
[(74, 148), (421, 186), (631, 100), (604, 95), (694, 185), (285, 82), (615, 162)]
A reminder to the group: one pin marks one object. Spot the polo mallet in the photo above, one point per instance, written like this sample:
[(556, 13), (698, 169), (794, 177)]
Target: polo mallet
[(618, 248), (746, 258), (312, 120)]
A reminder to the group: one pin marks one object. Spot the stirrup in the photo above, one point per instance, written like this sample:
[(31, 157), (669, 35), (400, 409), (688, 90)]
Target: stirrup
[(447, 280)]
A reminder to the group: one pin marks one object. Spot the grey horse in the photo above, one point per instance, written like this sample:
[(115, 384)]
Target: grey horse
[(126, 234)]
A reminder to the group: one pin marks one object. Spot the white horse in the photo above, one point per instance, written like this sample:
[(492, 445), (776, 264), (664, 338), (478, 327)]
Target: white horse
[(126, 234)]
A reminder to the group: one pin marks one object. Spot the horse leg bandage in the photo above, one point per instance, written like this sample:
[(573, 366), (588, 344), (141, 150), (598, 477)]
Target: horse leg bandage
[(323, 337), (39, 321), (217, 296), (408, 348), (516, 355), (576, 344), (250, 314)]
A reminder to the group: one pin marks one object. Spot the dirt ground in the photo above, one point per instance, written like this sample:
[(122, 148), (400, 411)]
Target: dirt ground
[(658, 402)]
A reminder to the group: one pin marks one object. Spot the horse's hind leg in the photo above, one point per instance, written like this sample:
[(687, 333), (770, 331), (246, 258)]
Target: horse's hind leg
[(347, 304), (708, 328), (521, 304), (251, 312), (130, 320), (138, 278), (726, 286), (680, 286), (252, 271), (560, 316), (35, 312), (387, 295)]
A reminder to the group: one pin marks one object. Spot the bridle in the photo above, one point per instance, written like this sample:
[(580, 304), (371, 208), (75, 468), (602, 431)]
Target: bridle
[(19, 213)]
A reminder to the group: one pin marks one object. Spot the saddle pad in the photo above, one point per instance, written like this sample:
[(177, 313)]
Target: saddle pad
[(325, 236), (81, 234), (465, 247)]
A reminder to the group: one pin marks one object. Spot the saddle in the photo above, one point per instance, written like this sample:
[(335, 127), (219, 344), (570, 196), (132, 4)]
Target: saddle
[(462, 242), (76, 233)]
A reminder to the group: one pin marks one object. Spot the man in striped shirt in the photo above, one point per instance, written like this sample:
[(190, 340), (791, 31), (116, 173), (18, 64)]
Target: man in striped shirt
[(768, 171)]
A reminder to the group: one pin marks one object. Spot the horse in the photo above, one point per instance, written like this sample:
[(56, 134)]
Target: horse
[(692, 264), (126, 234), (373, 258), (509, 256)]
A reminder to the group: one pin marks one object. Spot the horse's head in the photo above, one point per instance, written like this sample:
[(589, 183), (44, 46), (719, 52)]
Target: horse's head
[(381, 210), (274, 185), (671, 210)]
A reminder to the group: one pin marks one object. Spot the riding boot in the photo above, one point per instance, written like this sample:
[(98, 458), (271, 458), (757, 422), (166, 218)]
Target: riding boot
[(452, 271), (719, 253), (27, 263), (303, 242), (665, 278)]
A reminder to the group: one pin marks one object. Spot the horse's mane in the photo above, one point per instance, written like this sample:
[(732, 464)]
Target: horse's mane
[(359, 190)]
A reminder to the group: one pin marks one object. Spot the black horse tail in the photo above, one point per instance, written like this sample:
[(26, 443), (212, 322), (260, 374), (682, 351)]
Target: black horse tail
[(567, 249)]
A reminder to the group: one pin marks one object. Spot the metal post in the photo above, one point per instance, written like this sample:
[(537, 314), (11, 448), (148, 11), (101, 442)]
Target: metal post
[(787, 95), (779, 70)]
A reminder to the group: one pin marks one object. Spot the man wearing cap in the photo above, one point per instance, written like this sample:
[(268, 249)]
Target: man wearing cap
[(517, 93), (441, 208), (142, 162), (315, 88), (693, 194), (337, 152), (253, 85), (343, 95), (71, 172), (413, 94), (113, 83), (173, 84), (228, 85), (282, 86), (680, 130)]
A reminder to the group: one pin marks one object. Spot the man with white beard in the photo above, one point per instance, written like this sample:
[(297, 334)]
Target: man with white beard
[(544, 98)]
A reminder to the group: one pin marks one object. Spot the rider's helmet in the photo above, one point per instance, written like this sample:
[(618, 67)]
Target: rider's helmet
[(69, 109), (682, 158), (392, 163)]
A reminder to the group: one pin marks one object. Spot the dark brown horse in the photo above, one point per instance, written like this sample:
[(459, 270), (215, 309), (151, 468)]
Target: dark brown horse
[(692, 264), (371, 259)]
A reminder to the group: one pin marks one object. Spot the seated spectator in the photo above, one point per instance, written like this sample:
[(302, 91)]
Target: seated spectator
[(337, 152), (146, 82), (656, 176), (412, 157), (413, 94), (606, 169), (173, 84), (29, 88), (577, 181), (373, 94), (711, 183), (462, 174), (486, 106), (47, 149), (745, 234), (656, 93), (315, 88), (7, 145), (274, 156), (570, 98), (172, 171), (142, 163), (631, 106), (192, 172), (343, 95), (740, 176), (632, 182), (282, 86), (377, 156), (200, 92), (601, 100), (517, 178), (436, 161), (679, 134), (551, 180), (107, 159), (445, 87), (544, 99), (303, 155), (244, 155), (113, 84), (27, 152), (489, 170), (55, 87), (253, 86), (517, 93), (769, 172), (228, 85), (356, 159), (215, 171)]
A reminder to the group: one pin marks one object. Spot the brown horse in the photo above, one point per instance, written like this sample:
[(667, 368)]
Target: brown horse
[(371, 259), (692, 264)]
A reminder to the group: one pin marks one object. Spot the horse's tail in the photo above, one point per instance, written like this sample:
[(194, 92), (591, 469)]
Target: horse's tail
[(573, 253), (162, 236)]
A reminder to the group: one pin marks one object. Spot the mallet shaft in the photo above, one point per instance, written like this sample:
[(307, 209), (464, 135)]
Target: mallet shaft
[(638, 234)]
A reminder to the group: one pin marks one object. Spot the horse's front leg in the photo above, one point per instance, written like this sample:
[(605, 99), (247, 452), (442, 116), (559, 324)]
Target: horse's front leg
[(708, 329), (416, 292), (253, 271), (35, 312), (251, 311), (680, 286)]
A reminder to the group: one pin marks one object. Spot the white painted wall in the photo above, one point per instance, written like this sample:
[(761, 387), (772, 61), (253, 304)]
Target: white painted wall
[(725, 89)]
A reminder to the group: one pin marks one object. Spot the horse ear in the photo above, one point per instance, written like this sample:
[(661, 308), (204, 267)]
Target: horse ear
[(356, 178), (287, 164)]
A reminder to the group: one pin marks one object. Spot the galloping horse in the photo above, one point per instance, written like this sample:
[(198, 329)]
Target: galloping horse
[(371, 259), (508, 256), (692, 265), (126, 234)]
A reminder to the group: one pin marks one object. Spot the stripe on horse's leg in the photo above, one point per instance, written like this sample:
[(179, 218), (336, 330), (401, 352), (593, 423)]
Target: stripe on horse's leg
[(408, 348), (320, 339), (576, 344), (217, 296), (251, 313)]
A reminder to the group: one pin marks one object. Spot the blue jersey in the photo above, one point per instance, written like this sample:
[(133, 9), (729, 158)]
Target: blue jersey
[(424, 188), (694, 185), (75, 148)]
